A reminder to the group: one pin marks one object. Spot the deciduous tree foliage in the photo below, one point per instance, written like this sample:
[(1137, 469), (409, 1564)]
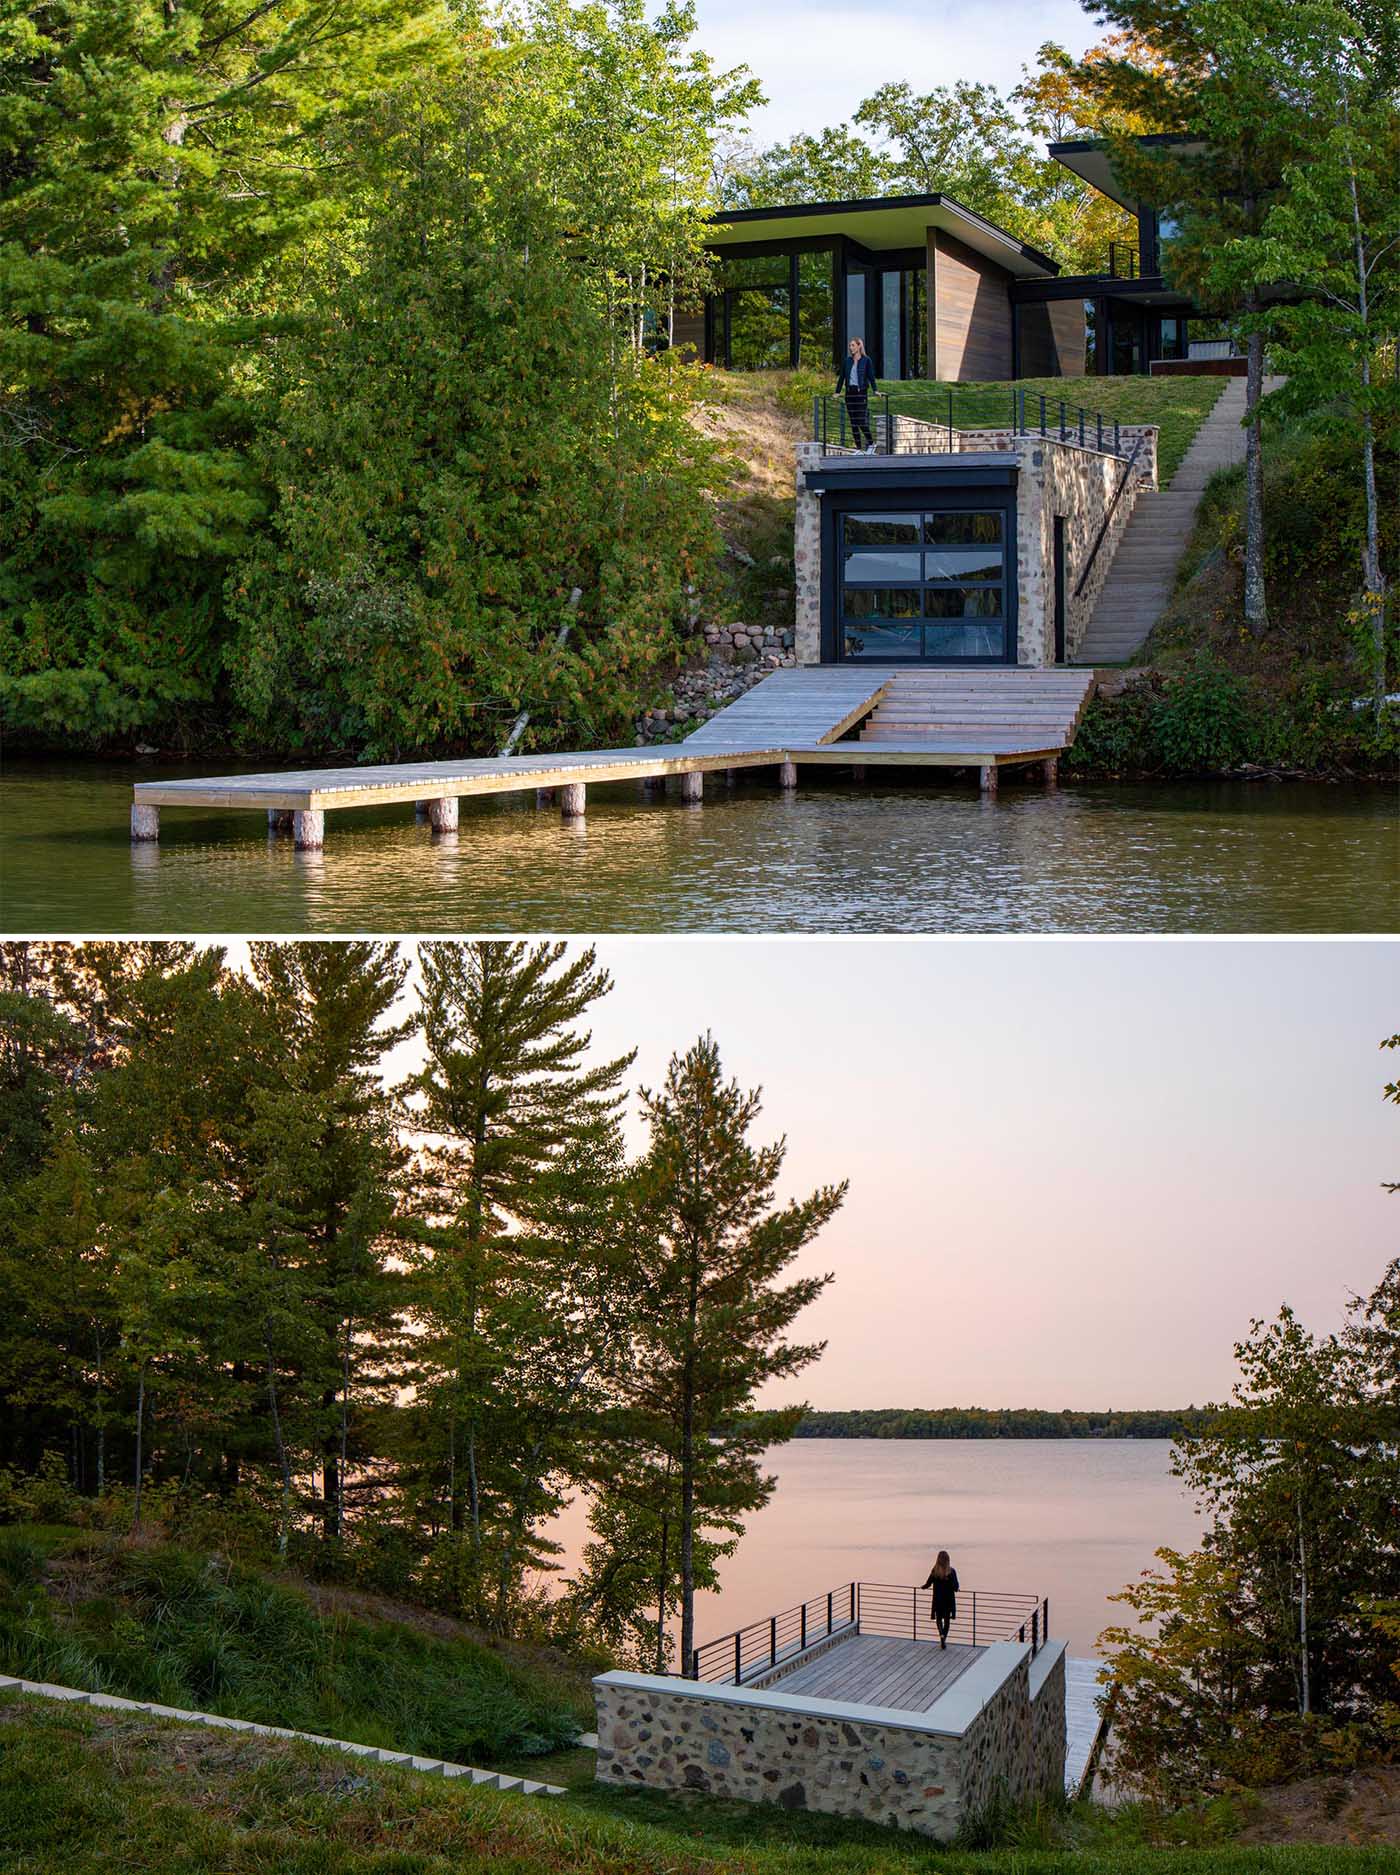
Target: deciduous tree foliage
[(165, 166)]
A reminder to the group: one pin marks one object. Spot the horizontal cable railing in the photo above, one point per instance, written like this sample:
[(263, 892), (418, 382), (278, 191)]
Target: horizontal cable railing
[(882, 1608), (936, 419)]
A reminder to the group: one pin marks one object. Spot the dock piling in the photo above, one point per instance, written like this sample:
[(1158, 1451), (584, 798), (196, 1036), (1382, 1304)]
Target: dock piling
[(693, 787), (988, 778), (1050, 771), (787, 775), (573, 800), (309, 830), (145, 822), (442, 814)]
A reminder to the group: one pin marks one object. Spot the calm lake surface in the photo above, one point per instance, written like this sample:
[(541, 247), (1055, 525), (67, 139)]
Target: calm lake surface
[(1074, 1519), (835, 857)]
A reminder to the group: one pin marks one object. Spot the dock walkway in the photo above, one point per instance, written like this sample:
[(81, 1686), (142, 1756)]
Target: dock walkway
[(985, 719)]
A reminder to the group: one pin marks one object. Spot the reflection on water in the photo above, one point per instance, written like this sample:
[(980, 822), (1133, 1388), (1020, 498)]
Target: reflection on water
[(1074, 1519), (921, 855)]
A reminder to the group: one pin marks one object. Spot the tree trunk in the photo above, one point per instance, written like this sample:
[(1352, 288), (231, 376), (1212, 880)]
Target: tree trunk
[(1305, 1682), (1255, 606), (1371, 574), (661, 1598), (140, 1417), (283, 1464), (687, 1558)]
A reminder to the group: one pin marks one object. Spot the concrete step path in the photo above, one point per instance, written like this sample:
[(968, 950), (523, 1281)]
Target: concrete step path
[(433, 1767), (1143, 574)]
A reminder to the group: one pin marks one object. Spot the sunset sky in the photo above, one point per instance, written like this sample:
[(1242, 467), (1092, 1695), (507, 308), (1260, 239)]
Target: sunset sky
[(1077, 1168), (816, 62)]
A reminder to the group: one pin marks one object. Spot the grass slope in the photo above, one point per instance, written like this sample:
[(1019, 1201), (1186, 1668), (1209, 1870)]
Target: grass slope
[(201, 1633), (86, 1791)]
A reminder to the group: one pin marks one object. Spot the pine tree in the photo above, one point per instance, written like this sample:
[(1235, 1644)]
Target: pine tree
[(515, 1124), (710, 1328), (334, 1159)]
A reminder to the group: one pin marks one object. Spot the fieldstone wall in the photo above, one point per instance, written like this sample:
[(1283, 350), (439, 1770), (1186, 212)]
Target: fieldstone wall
[(758, 1753), (807, 560), (924, 1773), (1049, 1721), (1063, 479), (1054, 478)]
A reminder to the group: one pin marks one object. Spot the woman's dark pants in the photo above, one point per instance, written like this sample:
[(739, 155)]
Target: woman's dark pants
[(858, 410), (941, 1622)]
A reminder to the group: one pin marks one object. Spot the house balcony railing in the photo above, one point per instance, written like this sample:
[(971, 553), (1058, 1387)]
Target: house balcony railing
[(882, 1608), (951, 419)]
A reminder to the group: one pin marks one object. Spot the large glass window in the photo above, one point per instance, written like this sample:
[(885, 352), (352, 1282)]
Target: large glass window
[(855, 308), (891, 325), (760, 328), (814, 308), (923, 585)]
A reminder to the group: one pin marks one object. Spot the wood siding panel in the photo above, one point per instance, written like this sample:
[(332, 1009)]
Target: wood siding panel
[(1052, 339), (969, 312), (688, 333)]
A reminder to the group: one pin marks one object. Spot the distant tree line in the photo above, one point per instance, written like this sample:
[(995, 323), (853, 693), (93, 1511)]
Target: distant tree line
[(982, 1422), (263, 1291)]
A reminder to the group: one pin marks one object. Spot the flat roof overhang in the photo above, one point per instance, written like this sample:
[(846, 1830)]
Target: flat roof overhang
[(882, 225), (972, 469), (1091, 160), (1147, 290)]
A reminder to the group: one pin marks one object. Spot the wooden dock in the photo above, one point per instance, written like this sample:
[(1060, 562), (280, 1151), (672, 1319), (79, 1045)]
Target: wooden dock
[(1084, 1721), (983, 719)]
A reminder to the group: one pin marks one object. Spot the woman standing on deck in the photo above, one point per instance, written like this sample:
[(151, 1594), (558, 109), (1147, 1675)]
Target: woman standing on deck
[(857, 378), (943, 1580)]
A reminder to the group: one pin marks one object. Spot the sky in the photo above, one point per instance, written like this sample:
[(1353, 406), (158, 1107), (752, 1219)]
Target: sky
[(816, 62), (1077, 1168)]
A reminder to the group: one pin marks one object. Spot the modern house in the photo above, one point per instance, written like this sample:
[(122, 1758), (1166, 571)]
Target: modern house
[(934, 290)]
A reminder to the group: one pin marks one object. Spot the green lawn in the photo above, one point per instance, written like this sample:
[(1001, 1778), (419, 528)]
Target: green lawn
[(199, 1633), (1178, 406), (84, 1791)]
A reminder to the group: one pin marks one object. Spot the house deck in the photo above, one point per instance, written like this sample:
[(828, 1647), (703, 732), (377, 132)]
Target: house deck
[(881, 1670), (939, 718)]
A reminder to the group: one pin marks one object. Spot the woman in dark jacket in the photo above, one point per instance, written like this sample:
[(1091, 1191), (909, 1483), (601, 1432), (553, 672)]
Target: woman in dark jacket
[(857, 378), (943, 1580)]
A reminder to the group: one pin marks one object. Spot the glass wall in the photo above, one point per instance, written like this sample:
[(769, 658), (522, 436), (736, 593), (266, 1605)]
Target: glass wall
[(923, 585), (814, 308), (856, 308)]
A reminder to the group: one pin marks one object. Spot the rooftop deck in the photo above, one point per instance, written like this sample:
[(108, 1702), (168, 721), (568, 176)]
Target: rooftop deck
[(881, 1670)]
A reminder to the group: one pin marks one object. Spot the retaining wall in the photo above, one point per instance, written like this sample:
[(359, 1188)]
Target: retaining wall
[(924, 1772)]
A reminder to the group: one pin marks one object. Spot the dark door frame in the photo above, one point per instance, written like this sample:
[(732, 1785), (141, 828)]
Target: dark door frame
[(913, 499)]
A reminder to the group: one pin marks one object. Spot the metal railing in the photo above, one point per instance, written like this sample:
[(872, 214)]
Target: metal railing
[(1123, 260), (934, 419), (888, 1609), (1102, 534)]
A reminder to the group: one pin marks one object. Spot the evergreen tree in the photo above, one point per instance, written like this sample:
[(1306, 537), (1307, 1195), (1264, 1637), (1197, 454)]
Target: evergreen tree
[(710, 1328), (515, 1125), (329, 1130)]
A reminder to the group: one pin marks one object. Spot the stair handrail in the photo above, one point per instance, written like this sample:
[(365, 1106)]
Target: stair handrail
[(1108, 516)]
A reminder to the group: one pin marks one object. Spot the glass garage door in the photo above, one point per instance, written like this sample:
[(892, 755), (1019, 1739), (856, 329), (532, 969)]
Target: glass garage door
[(928, 586)]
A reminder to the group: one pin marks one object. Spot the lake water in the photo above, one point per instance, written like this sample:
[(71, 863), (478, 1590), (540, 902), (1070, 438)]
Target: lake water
[(899, 855), (1074, 1519)]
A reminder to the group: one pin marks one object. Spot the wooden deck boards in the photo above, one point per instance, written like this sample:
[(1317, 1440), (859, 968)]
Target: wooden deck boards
[(1083, 1719), (874, 1670)]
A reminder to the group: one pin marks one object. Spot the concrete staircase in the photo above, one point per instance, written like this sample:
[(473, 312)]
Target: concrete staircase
[(1143, 573), (434, 1767)]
